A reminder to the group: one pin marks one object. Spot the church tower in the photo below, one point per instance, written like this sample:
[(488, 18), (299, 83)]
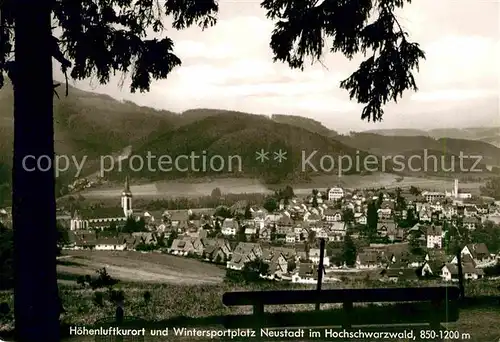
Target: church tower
[(127, 199)]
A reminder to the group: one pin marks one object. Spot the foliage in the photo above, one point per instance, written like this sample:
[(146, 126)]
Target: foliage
[(223, 211), (173, 235), (270, 204), (489, 234), (303, 29), (251, 272), (216, 194), (371, 220), (414, 243), (134, 226), (348, 216), (492, 271), (492, 188), (103, 280), (414, 190)]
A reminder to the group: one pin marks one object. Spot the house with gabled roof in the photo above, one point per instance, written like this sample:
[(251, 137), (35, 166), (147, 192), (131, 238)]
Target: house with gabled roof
[(369, 259), (243, 253), (307, 273), (449, 272), (478, 252)]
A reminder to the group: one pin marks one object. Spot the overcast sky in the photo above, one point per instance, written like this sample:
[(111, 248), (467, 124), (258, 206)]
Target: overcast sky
[(230, 66)]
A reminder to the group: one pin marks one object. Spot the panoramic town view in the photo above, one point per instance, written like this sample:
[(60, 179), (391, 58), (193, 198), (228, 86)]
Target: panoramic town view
[(250, 196)]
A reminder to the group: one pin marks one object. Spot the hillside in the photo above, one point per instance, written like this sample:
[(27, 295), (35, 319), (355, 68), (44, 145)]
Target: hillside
[(85, 124), (238, 134), (306, 123), (406, 132), (394, 145), (489, 135), (90, 124)]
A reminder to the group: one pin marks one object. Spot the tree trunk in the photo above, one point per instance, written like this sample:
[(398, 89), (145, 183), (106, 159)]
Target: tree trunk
[(36, 301)]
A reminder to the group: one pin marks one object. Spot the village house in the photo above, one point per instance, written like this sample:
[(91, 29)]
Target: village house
[(278, 266), (449, 272), (314, 256), (181, 247), (360, 218), (335, 194), (471, 223), (368, 260), (478, 252), (243, 253), (229, 227), (384, 226), (434, 237), (332, 215), (216, 250), (307, 273), (110, 244), (397, 274)]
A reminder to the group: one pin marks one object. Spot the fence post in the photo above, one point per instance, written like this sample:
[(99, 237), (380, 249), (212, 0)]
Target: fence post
[(321, 269), (460, 275), (119, 321)]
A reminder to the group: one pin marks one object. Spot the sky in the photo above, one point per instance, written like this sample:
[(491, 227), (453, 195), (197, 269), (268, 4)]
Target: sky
[(229, 66)]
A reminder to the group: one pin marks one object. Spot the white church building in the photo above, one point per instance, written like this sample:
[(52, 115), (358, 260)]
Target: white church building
[(101, 218)]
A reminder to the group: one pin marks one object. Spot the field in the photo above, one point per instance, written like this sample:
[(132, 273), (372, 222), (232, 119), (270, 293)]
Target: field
[(203, 187), (132, 266)]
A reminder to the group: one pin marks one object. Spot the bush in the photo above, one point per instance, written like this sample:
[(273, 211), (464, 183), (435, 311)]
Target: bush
[(99, 299), (492, 271)]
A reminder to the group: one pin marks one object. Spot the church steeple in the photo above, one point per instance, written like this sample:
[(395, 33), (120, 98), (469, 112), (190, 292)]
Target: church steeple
[(126, 190), (127, 199)]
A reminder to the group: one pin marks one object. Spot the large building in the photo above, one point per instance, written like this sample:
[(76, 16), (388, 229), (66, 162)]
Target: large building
[(335, 194), (101, 218)]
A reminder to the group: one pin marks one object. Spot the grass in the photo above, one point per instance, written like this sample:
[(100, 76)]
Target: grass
[(131, 266)]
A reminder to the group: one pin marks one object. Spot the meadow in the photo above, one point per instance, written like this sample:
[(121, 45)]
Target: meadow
[(132, 266), (192, 188)]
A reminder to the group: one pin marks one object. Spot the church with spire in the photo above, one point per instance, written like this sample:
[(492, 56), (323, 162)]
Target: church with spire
[(100, 218), (127, 199)]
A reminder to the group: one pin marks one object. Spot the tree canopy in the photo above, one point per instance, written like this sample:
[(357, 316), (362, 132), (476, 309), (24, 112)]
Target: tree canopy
[(104, 37)]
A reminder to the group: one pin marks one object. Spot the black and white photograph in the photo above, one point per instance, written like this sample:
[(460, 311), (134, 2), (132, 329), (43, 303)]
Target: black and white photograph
[(203, 170)]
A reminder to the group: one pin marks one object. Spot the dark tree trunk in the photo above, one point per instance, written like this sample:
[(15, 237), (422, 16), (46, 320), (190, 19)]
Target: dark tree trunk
[(34, 218)]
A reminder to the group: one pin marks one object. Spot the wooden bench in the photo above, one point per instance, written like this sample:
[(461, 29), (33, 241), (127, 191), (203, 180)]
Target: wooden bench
[(426, 307)]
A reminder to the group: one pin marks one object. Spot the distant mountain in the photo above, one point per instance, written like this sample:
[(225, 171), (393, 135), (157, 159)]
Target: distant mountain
[(306, 123), (90, 124), (403, 132), (489, 135), (396, 145)]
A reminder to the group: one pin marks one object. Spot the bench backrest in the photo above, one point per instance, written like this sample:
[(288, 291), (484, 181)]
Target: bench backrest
[(439, 304)]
